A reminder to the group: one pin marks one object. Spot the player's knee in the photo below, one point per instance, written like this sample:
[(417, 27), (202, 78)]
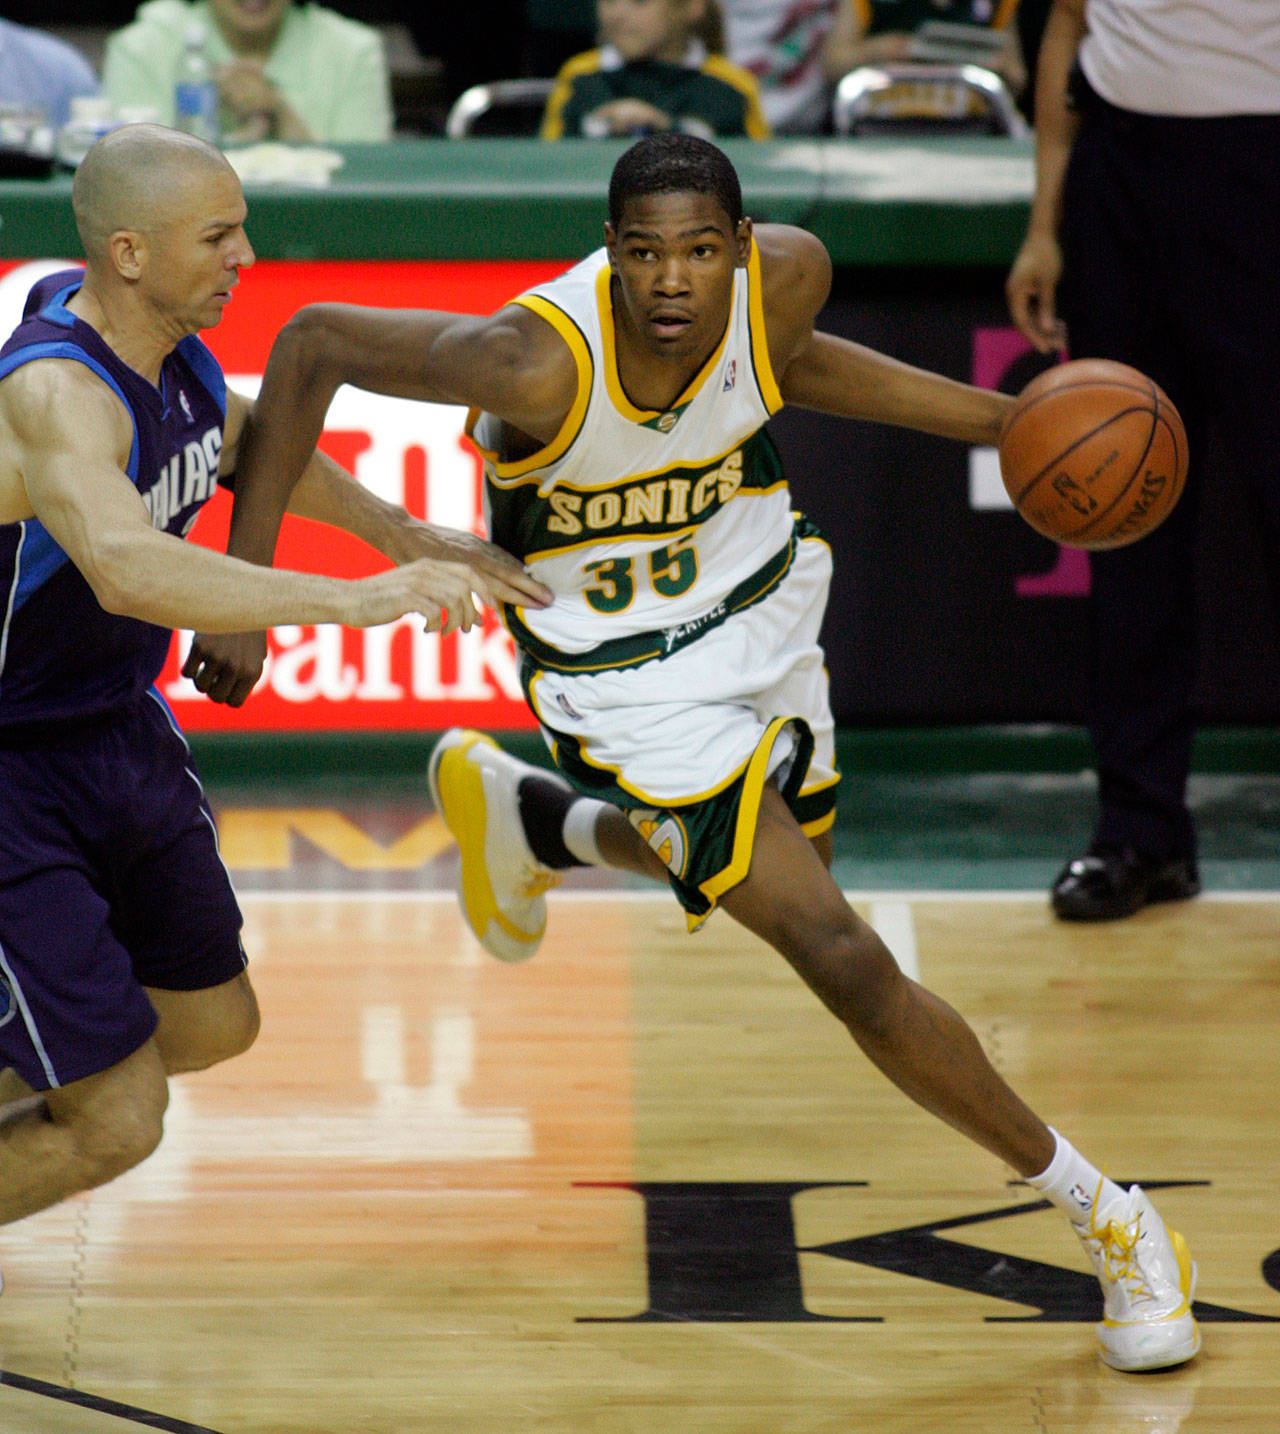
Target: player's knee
[(194, 1040), (115, 1141), (875, 989), (239, 1031), (858, 978), (230, 1038)]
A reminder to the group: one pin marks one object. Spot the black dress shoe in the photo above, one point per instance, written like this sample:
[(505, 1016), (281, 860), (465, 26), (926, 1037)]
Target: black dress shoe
[(1106, 884)]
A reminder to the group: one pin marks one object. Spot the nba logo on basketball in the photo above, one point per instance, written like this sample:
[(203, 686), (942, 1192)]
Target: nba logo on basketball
[(730, 376)]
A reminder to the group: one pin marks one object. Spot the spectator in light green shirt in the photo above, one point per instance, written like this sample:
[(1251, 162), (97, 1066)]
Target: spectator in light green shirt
[(285, 71)]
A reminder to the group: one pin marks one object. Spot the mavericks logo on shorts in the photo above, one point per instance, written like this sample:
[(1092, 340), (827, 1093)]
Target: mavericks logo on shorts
[(8, 1005)]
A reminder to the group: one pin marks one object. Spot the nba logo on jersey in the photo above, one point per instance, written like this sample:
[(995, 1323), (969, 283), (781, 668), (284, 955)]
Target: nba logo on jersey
[(730, 376), (186, 407)]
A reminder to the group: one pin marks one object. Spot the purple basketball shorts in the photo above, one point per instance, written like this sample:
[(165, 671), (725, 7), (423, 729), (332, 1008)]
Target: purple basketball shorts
[(110, 881)]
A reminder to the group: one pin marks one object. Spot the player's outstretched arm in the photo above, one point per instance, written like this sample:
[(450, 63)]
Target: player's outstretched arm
[(70, 439), (327, 493), (817, 370), (226, 666), (836, 376), (512, 364), (820, 371)]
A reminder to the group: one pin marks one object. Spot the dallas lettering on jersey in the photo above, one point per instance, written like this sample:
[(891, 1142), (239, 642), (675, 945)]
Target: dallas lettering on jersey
[(186, 481)]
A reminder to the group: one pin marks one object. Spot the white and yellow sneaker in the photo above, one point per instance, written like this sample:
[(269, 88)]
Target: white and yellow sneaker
[(475, 788), (1148, 1282)]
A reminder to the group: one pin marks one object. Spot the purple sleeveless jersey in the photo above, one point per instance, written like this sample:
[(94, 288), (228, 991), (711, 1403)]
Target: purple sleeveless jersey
[(62, 658)]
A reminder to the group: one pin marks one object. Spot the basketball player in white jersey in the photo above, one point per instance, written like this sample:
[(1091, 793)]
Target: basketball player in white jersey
[(677, 676)]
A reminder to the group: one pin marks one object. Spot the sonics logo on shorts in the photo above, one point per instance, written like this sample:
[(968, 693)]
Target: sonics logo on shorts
[(665, 835)]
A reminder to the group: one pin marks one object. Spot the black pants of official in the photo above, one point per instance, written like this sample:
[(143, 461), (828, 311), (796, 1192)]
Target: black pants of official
[(1171, 243)]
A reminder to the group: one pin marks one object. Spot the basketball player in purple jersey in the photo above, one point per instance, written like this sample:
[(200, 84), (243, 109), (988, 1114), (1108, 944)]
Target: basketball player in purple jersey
[(120, 954)]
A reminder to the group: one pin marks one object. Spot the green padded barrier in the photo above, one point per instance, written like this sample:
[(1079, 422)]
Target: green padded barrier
[(952, 202)]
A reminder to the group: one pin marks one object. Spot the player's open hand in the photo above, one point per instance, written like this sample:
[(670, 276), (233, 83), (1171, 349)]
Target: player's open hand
[(496, 577), (441, 592), (225, 666)]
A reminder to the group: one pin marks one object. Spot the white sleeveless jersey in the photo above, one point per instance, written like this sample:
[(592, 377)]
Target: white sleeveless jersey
[(647, 526)]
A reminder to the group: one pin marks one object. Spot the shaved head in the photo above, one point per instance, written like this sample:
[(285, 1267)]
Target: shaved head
[(136, 177)]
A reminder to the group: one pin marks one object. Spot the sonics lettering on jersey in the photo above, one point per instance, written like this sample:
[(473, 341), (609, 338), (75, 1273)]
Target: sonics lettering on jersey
[(655, 503), (188, 478), (726, 1252), (535, 518)]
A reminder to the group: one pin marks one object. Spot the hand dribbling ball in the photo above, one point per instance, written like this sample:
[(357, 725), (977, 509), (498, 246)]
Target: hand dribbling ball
[(1093, 454)]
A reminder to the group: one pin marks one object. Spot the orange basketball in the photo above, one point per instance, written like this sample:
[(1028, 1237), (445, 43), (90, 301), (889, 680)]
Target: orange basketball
[(1093, 454)]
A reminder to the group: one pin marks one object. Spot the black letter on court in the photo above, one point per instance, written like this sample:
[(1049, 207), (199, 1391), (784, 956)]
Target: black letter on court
[(726, 1251)]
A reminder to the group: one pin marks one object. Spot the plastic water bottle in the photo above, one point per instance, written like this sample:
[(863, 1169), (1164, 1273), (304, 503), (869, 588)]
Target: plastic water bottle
[(91, 118), (195, 91)]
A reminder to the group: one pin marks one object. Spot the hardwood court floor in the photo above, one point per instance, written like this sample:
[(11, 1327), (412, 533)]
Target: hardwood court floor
[(644, 1184)]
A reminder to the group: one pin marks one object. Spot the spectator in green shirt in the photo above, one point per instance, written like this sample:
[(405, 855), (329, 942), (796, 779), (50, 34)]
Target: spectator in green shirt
[(285, 70), (654, 71)]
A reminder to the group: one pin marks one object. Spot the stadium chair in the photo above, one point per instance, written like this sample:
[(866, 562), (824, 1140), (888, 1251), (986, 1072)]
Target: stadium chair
[(912, 98), (502, 107)]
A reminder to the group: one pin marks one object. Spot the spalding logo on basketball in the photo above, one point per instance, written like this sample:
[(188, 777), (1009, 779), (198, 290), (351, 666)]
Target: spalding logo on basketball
[(1093, 454)]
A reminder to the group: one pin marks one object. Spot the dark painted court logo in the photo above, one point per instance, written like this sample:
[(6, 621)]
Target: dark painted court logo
[(726, 1252)]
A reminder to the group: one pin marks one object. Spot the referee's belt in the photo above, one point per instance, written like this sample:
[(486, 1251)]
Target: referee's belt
[(661, 642)]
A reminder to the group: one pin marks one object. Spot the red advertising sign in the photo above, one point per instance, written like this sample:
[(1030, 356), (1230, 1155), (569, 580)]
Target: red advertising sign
[(414, 454)]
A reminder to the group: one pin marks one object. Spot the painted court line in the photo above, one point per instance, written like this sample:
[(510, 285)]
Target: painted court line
[(893, 923), (109, 1408)]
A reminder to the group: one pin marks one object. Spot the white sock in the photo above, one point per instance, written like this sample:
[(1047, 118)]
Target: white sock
[(579, 833), (1072, 1184)]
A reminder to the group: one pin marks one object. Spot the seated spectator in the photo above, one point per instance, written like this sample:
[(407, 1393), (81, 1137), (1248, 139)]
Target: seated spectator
[(654, 71), (780, 43), (285, 70), (875, 32), (38, 72)]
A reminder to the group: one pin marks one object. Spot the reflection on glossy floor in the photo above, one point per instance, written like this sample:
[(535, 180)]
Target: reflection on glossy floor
[(631, 1188)]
